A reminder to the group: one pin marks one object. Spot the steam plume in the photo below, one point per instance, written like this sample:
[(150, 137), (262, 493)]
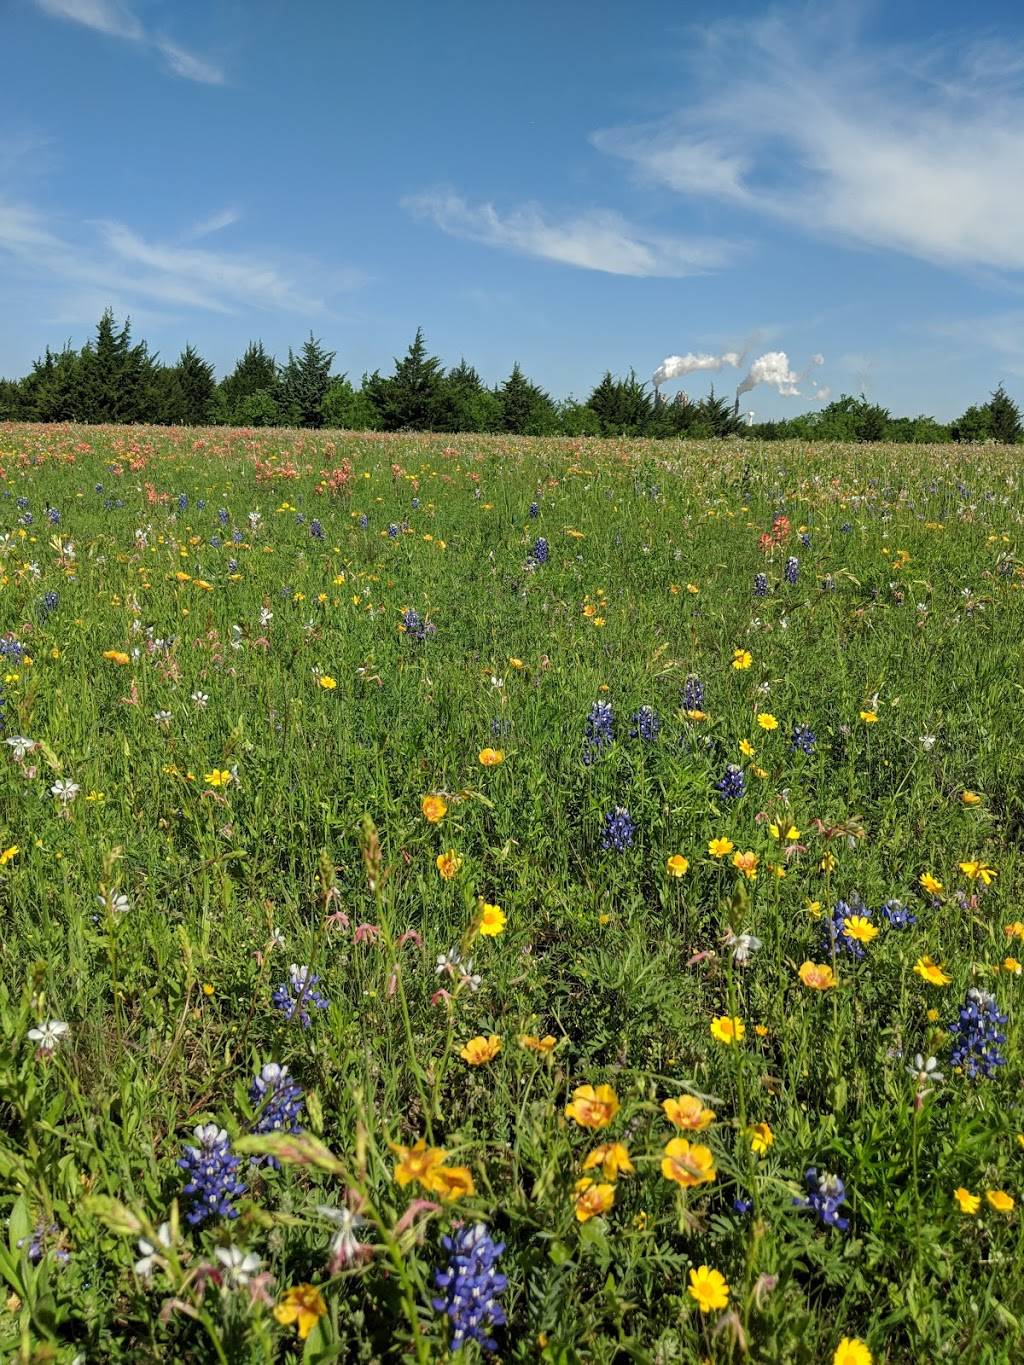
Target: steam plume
[(773, 368), (673, 366)]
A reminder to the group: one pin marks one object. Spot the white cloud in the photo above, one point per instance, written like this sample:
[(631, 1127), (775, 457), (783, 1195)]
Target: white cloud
[(116, 20), (595, 240), (111, 258), (216, 222), (191, 68), (877, 146), (105, 16)]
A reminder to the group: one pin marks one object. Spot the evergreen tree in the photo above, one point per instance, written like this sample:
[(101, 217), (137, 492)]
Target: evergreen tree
[(623, 406), (256, 372), (116, 377), (526, 410), (305, 380), (412, 399), (577, 419), (53, 391), (465, 403), (973, 425), (347, 407), (1004, 417), (190, 390)]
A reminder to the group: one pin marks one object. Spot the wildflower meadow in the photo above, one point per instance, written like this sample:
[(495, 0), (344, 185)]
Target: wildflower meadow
[(473, 897)]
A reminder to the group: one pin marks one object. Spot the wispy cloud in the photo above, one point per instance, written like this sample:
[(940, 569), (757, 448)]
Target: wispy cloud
[(1001, 334), (595, 240), (216, 222), (116, 20), (795, 119), (112, 258)]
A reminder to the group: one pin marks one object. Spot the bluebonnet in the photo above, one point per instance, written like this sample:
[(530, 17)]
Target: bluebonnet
[(414, 624), (826, 1194), (212, 1168), (11, 649), (805, 539), (618, 830), (802, 738), (37, 1239), (53, 516), (693, 693), (470, 1285), (732, 783), (393, 530), (237, 535), (316, 530), (182, 501), (742, 1206), (645, 724), (215, 541), (232, 566), (792, 569), (534, 509), (201, 504), (26, 519), (49, 604), (98, 488), (540, 550), (278, 1101), (364, 521), (760, 585), (835, 938), (846, 528), (23, 503), (222, 516), (977, 1035), (599, 730), (897, 914), (300, 518), (415, 504), (297, 993)]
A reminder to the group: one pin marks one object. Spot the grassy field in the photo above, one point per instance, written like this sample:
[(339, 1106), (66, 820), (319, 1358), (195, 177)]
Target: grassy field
[(732, 851)]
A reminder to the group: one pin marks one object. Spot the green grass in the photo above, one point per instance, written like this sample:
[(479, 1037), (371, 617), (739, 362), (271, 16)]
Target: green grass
[(908, 604)]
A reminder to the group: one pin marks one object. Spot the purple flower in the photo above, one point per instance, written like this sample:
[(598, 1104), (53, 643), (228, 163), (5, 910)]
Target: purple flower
[(211, 1167), (732, 783), (645, 724), (470, 1285), (978, 1034), (278, 1102), (295, 995), (618, 830), (826, 1194)]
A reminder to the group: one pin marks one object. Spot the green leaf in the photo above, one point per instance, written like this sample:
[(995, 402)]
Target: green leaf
[(296, 1149), (113, 1214)]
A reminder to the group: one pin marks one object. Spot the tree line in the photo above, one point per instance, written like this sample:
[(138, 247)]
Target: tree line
[(116, 379)]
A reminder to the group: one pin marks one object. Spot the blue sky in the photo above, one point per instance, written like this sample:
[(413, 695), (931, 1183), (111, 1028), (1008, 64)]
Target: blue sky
[(571, 186)]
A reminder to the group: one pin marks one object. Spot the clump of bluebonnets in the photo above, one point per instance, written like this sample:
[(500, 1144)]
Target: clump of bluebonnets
[(826, 1195), (792, 570), (212, 1169), (278, 1102), (978, 1035), (646, 724), (760, 585), (693, 693), (295, 996), (732, 783), (470, 1284), (415, 626), (897, 914), (802, 738), (618, 830), (599, 730), (834, 935)]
